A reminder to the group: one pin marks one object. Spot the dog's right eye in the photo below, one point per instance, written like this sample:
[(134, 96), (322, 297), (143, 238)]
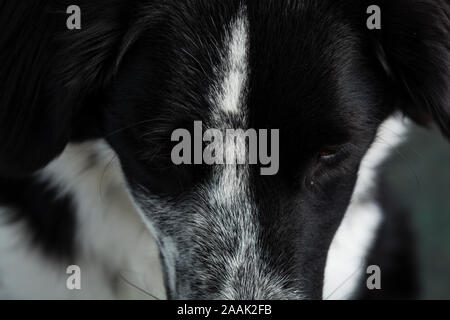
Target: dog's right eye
[(166, 178)]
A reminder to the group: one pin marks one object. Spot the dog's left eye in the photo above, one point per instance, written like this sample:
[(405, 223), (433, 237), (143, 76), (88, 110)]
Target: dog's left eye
[(333, 155), (329, 164), (329, 153)]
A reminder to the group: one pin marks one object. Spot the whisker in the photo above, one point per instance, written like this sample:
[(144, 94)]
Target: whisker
[(107, 166), (138, 288), (112, 133), (345, 281)]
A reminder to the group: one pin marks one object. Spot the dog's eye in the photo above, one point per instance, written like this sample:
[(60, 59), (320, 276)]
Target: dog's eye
[(328, 153), (333, 155)]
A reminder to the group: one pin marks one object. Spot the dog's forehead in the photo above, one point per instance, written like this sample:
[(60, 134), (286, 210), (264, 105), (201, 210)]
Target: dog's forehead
[(262, 57), (229, 90), (257, 64)]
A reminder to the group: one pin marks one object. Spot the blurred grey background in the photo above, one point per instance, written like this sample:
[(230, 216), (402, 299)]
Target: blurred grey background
[(419, 173)]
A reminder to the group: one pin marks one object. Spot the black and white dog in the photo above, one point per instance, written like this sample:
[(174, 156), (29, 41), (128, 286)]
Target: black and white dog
[(86, 118)]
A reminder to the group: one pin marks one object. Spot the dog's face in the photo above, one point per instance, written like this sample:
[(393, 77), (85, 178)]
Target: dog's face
[(226, 231), (311, 70)]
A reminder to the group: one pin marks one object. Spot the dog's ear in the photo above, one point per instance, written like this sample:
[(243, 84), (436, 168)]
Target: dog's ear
[(414, 49), (48, 73)]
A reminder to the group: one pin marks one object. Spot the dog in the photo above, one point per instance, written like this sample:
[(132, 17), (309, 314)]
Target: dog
[(86, 117)]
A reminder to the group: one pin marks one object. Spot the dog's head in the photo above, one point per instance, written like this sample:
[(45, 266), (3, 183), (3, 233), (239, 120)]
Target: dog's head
[(139, 70)]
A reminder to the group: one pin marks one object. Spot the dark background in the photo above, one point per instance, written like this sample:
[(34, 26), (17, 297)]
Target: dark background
[(419, 173)]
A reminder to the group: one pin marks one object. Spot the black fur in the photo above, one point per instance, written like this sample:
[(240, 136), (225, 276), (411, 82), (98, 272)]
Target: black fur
[(47, 214), (140, 69)]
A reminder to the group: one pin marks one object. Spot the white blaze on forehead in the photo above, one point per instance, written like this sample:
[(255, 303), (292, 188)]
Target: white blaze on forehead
[(229, 91), (229, 190), (228, 98)]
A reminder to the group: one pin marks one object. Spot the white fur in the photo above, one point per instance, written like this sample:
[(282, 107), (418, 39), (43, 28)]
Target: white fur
[(231, 184), (230, 188), (347, 254), (115, 241), (234, 71), (112, 240)]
